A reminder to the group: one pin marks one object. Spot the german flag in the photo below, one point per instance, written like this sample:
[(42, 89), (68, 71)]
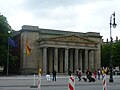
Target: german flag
[(28, 49)]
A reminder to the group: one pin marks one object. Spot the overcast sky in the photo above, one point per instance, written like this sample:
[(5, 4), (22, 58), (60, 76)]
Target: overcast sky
[(67, 15)]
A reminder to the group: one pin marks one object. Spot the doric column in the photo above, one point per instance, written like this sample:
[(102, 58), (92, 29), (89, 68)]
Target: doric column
[(56, 59), (61, 58), (86, 59), (50, 60), (40, 61), (66, 60), (97, 60), (80, 60), (71, 59), (76, 59), (44, 60), (92, 60)]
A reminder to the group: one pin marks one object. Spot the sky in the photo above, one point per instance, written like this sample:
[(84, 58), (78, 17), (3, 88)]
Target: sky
[(67, 15)]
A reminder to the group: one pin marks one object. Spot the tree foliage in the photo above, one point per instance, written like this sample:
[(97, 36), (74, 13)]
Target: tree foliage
[(105, 53), (4, 29), (105, 48), (116, 53)]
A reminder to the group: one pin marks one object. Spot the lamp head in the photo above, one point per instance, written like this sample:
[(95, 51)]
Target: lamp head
[(114, 24)]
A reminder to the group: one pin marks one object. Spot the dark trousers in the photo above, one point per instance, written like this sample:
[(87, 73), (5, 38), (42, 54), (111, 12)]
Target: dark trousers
[(54, 78), (79, 78)]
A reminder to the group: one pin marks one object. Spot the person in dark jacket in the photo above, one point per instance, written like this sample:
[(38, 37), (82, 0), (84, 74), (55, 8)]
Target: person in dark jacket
[(69, 72), (54, 75)]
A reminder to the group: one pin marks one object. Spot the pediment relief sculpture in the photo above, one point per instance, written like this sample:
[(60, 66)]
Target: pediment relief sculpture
[(72, 38)]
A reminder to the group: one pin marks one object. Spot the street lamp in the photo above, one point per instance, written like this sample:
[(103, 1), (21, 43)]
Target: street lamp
[(111, 40)]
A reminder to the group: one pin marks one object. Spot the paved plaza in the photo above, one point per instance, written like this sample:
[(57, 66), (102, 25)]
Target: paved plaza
[(28, 83)]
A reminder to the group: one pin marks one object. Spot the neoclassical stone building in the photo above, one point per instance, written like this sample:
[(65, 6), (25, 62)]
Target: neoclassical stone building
[(59, 50)]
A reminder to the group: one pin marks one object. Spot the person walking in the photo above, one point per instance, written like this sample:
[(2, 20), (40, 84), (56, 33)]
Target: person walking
[(54, 75), (79, 74)]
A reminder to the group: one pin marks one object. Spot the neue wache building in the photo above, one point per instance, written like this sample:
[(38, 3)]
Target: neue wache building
[(59, 50)]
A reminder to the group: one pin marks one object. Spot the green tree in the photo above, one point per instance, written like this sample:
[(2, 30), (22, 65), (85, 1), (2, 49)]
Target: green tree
[(105, 54), (4, 29), (116, 53)]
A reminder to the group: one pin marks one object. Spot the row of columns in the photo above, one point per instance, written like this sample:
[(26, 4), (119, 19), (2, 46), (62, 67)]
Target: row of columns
[(79, 58)]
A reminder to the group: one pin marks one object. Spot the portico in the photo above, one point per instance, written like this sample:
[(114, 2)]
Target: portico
[(67, 52)]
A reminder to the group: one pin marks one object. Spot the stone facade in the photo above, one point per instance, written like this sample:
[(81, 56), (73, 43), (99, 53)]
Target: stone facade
[(59, 50)]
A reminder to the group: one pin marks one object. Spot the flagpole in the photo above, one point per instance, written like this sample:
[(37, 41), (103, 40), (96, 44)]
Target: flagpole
[(8, 60), (8, 55)]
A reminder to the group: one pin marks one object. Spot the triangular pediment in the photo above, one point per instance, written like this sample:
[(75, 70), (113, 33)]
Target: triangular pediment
[(71, 38)]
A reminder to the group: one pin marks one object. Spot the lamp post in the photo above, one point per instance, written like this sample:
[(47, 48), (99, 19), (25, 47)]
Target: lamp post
[(111, 41)]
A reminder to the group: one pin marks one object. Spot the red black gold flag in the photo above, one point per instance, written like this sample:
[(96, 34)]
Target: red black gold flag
[(28, 49)]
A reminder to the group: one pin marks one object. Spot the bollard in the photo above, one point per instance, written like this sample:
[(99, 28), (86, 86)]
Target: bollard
[(71, 83), (34, 80), (34, 86), (39, 82), (104, 82)]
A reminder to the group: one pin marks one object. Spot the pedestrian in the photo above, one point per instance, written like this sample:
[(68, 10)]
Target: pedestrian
[(87, 73), (48, 75), (99, 73), (103, 72), (40, 71), (76, 73), (90, 76), (54, 75), (69, 72), (95, 74), (79, 74)]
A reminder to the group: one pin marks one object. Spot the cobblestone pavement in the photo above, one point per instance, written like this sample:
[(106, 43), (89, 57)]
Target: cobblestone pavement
[(62, 81)]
